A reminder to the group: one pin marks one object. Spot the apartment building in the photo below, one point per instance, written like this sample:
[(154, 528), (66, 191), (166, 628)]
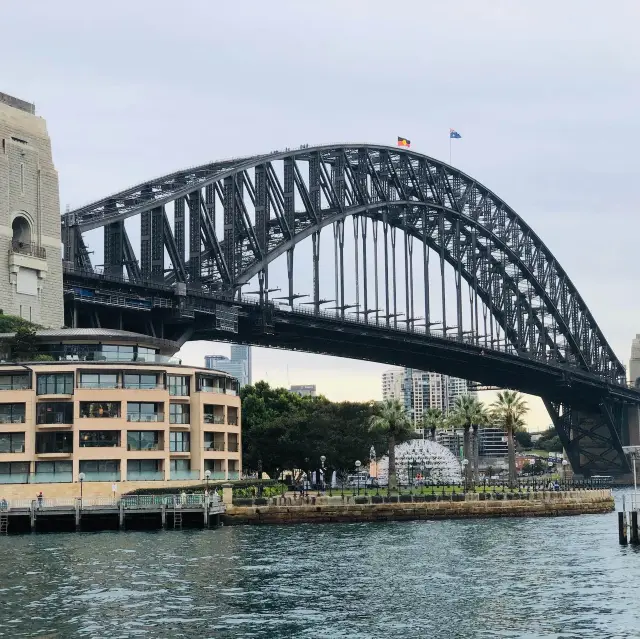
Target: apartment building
[(103, 405)]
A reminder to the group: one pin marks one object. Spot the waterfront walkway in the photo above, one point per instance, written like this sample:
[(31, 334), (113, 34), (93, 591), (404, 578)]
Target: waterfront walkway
[(154, 511)]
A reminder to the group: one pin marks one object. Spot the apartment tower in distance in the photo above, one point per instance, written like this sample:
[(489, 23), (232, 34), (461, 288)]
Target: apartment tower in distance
[(30, 252)]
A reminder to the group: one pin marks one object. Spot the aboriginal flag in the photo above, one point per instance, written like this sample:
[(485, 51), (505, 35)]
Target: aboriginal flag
[(404, 142)]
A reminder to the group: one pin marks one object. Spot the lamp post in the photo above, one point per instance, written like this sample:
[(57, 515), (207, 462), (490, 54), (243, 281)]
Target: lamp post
[(81, 478), (358, 464), (323, 459), (565, 463), (633, 451), (465, 463), (207, 477)]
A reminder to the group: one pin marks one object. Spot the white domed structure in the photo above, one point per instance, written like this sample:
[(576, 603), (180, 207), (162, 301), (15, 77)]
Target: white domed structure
[(422, 458)]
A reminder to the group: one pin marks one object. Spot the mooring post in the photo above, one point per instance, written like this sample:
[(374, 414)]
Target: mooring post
[(77, 514), (121, 516), (32, 517), (163, 515), (622, 529), (635, 540), (206, 511)]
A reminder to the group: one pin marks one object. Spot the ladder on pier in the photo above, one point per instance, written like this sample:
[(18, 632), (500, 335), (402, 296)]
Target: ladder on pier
[(177, 517), (4, 522)]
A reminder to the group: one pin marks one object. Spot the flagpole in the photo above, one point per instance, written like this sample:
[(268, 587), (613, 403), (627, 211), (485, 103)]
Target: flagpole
[(449, 147)]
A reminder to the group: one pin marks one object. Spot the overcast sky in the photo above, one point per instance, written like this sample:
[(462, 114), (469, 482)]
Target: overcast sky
[(545, 94)]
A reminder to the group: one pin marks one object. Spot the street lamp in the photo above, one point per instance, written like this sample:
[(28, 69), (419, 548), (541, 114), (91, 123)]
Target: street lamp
[(323, 459), (565, 463), (81, 478), (633, 451), (465, 463), (207, 477), (358, 464)]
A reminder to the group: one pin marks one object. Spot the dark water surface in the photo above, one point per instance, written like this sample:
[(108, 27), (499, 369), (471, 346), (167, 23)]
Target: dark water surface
[(564, 577)]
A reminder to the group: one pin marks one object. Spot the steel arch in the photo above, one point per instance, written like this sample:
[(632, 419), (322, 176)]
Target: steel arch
[(505, 264)]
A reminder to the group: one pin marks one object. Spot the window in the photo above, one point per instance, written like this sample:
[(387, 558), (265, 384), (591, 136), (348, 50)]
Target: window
[(20, 381), (231, 387), (100, 409), (54, 413), (55, 384), (55, 442), (54, 467), (14, 468), (213, 414), (178, 413), (208, 384), (232, 416), (117, 353), (144, 469), (98, 380), (179, 465), (214, 465), (145, 412), (11, 442), (178, 385), (12, 413), (141, 381), (233, 443), (100, 466), (143, 440), (99, 438), (179, 442), (214, 441)]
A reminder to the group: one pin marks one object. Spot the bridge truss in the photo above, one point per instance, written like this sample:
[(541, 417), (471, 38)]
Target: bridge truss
[(416, 256)]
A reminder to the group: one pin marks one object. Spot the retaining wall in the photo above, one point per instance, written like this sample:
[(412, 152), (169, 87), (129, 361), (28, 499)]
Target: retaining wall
[(339, 509)]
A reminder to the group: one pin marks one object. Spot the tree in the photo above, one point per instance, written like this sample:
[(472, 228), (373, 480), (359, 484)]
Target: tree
[(390, 420), (508, 411), (24, 345), (468, 412), (550, 441), (432, 420), (523, 438)]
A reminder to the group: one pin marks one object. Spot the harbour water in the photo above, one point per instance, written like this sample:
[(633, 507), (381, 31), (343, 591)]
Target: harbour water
[(544, 578)]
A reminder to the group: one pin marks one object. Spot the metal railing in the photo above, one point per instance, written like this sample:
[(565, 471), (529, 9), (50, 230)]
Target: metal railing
[(194, 500), (214, 446), (208, 418), (106, 356), (11, 419), (28, 248)]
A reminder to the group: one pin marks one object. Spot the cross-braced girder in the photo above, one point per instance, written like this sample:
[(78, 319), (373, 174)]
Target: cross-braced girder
[(218, 227)]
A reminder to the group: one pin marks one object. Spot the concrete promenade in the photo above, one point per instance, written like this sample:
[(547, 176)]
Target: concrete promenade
[(100, 513)]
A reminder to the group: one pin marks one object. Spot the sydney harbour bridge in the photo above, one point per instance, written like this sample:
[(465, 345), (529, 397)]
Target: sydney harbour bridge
[(361, 251)]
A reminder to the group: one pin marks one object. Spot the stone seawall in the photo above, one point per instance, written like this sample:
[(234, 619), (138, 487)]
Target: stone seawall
[(337, 509)]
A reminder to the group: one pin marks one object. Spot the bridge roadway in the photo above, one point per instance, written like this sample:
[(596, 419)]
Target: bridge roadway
[(94, 511)]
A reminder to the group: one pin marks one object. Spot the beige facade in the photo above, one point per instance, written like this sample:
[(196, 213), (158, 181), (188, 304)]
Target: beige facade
[(30, 250), (112, 409)]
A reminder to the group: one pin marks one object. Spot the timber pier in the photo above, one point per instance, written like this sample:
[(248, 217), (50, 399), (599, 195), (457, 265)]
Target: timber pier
[(103, 513)]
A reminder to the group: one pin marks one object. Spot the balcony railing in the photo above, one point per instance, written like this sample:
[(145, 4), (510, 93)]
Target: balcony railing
[(218, 474), (233, 474), (213, 419), (144, 447), (99, 385), (28, 248), (178, 390), (185, 474), (143, 386), (231, 391), (11, 419), (100, 356), (144, 475), (102, 476), (212, 389), (150, 417), (15, 478), (16, 386), (54, 419), (52, 478), (179, 419), (215, 446), (233, 448), (232, 421)]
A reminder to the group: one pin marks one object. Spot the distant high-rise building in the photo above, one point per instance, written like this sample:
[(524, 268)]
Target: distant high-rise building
[(304, 390), (238, 365), (420, 390)]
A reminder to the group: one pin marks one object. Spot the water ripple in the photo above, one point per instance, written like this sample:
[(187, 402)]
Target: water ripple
[(527, 578)]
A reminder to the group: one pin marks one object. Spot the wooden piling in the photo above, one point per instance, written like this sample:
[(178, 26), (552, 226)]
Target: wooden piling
[(622, 529)]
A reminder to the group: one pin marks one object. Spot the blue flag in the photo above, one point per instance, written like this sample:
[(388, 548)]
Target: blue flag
[(454, 134)]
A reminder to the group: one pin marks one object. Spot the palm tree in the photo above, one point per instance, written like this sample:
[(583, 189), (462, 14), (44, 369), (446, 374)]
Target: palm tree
[(467, 411), (391, 420), (508, 411), (432, 420)]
